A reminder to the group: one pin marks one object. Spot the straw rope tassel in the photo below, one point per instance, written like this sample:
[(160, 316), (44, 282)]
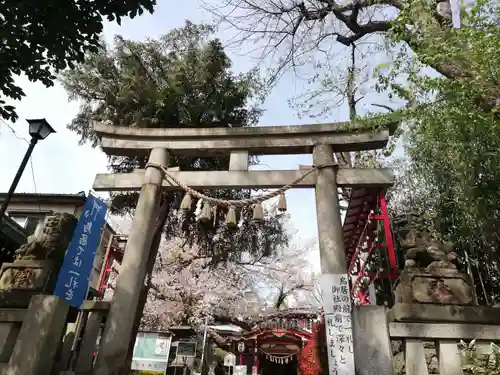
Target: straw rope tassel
[(206, 213), (186, 202), (258, 213), (231, 218), (282, 203)]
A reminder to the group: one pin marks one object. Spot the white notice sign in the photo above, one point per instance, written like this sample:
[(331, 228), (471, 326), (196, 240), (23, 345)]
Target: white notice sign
[(337, 307), (229, 360), (240, 370), (162, 346)]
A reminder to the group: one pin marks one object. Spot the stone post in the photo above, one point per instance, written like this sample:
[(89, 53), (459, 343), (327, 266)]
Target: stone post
[(119, 325), (374, 343), (331, 240), (39, 337), (334, 280), (87, 347)]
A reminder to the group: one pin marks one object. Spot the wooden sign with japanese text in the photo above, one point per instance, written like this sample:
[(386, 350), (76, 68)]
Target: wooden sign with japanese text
[(338, 324)]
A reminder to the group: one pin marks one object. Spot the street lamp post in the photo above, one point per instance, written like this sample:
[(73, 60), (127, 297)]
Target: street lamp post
[(39, 129)]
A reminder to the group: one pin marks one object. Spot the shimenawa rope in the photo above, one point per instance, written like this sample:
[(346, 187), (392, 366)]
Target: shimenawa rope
[(241, 202)]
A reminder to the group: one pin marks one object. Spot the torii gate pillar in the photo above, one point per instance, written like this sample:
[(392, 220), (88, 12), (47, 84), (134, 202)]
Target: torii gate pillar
[(331, 240), (119, 324)]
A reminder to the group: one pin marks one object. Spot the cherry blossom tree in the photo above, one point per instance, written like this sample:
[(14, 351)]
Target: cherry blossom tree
[(186, 287), (288, 279)]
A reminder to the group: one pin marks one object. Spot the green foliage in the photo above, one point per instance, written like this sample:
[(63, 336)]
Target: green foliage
[(181, 80), (219, 354), (145, 372), (453, 134), (40, 36), (475, 363)]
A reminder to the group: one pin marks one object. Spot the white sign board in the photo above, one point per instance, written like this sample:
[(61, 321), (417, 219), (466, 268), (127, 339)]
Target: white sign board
[(240, 370), (162, 346), (151, 351), (241, 347), (337, 307), (229, 360), (149, 364)]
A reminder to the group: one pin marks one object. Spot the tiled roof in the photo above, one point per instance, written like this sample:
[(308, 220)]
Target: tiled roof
[(12, 233), (79, 195)]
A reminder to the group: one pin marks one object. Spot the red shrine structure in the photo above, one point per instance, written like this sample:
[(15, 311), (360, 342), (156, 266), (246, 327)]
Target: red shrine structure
[(369, 244), (273, 346), (114, 252)]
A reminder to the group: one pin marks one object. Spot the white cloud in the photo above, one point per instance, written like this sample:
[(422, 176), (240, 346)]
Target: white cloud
[(60, 165)]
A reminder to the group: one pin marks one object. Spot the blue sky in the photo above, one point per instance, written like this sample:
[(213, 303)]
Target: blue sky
[(61, 166)]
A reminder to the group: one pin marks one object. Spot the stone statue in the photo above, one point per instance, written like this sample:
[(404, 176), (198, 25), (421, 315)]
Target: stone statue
[(430, 272), (53, 241), (421, 248), (37, 262)]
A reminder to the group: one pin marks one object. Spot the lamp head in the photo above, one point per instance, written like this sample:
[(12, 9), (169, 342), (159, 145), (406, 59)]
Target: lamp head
[(39, 129), (214, 119)]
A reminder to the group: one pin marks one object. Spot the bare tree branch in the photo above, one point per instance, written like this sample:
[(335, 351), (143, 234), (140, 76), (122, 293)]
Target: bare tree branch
[(390, 109), (290, 32)]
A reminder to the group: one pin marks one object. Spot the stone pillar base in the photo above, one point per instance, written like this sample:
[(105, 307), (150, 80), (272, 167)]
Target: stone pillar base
[(22, 279), (443, 286), (434, 313)]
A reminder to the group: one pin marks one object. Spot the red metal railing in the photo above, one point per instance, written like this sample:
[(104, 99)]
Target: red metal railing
[(113, 254), (368, 243)]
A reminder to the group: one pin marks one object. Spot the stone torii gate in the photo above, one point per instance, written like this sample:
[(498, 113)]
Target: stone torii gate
[(322, 140)]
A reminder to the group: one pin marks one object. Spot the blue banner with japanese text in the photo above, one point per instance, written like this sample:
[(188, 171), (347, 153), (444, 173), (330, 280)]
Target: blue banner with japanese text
[(73, 280)]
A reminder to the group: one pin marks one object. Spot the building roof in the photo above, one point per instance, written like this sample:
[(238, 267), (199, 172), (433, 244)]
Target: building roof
[(291, 312), (78, 198), (179, 329), (46, 197), (226, 328), (147, 331), (12, 235)]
